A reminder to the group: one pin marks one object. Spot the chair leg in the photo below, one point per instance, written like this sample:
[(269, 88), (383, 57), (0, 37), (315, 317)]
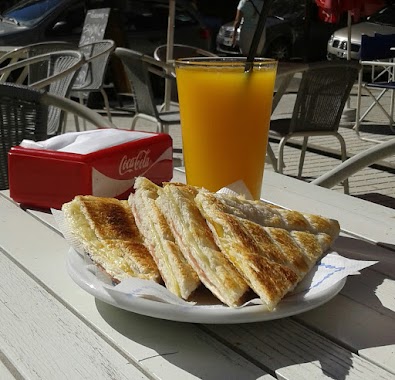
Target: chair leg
[(272, 157), (81, 97), (376, 101), (106, 103), (77, 125), (302, 156), (280, 160), (163, 128), (358, 111), (343, 148), (64, 123), (392, 109), (134, 122)]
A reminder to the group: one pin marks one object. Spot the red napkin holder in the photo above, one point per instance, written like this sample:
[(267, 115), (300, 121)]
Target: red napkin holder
[(47, 179)]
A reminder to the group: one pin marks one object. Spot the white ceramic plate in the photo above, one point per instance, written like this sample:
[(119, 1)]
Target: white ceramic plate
[(218, 314)]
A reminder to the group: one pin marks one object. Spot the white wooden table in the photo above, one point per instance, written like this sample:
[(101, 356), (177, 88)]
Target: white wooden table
[(52, 329)]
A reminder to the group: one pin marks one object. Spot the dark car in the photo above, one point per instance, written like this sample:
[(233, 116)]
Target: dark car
[(143, 23), (289, 33), (282, 30)]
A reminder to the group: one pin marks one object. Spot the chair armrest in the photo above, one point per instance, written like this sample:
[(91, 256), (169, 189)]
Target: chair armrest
[(378, 63), (161, 73), (356, 163), (77, 109)]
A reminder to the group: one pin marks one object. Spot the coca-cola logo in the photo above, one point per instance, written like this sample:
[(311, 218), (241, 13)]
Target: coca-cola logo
[(139, 162)]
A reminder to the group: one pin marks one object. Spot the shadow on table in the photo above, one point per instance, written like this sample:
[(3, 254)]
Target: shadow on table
[(183, 345), (377, 198), (280, 347)]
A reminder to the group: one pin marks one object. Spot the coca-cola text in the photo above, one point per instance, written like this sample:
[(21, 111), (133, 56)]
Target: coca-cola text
[(138, 162)]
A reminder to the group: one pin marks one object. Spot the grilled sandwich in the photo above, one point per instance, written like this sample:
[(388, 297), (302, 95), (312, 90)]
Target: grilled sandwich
[(272, 260), (194, 238), (186, 236), (269, 215), (178, 275), (108, 233)]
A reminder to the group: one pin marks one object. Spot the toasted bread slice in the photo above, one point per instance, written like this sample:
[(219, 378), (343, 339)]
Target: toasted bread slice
[(272, 260), (177, 274), (109, 235), (193, 236), (268, 215)]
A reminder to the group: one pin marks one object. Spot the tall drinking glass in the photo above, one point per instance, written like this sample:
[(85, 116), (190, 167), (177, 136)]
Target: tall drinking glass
[(225, 116)]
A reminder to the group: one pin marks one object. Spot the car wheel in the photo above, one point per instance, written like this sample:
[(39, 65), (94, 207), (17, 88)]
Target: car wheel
[(279, 49)]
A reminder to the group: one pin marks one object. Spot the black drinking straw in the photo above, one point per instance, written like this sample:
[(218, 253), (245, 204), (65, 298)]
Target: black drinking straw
[(257, 35)]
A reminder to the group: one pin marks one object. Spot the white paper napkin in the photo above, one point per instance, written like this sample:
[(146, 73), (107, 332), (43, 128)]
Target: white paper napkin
[(329, 271), (87, 141)]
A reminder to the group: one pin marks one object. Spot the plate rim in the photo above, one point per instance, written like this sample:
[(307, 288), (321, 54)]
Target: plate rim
[(179, 313)]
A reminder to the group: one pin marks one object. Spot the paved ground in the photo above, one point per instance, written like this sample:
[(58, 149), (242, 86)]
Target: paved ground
[(376, 184)]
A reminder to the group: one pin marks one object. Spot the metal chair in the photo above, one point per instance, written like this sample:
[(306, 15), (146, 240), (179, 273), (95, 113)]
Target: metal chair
[(376, 54), (181, 51), (355, 163), (61, 68), (33, 72), (92, 74), (24, 114), (323, 92), (139, 68)]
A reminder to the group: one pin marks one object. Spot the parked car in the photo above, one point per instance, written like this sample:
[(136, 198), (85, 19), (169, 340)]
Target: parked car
[(285, 33), (382, 22), (144, 23)]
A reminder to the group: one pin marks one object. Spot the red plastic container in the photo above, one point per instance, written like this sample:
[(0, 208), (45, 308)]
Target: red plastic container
[(47, 179)]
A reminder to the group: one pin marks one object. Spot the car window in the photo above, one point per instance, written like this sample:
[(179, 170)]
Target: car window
[(385, 17), (287, 8), (73, 19), (30, 12)]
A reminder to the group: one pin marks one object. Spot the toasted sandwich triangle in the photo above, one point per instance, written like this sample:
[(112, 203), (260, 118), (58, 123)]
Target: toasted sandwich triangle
[(178, 275), (272, 260), (106, 229), (193, 236)]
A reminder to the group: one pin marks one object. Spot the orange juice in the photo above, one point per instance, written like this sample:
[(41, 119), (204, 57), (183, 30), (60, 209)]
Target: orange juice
[(225, 116)]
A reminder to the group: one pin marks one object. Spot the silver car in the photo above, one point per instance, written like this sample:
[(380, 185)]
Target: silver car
[(382, 22)]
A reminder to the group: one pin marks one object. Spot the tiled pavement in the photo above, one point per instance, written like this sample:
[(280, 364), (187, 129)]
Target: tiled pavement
[(374, 183)]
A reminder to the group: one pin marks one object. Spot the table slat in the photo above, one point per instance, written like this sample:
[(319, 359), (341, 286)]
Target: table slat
[(167, 350), (45, 335), (295, 352)]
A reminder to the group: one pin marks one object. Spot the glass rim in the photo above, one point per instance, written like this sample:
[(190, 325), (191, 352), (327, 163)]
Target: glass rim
[(220, 61)]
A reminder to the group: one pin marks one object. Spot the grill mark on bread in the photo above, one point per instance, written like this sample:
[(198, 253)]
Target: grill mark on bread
[(197, 244), (269, 280), (271, 259), (269, 215), (232, 243), (107, 229), (178, 275)]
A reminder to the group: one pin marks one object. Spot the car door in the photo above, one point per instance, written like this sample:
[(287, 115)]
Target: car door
[(66, 22)]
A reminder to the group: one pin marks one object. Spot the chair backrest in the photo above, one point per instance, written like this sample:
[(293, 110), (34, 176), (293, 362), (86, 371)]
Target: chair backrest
[(137, 70), (33, 72), (97, 56), (377, 47), (22, 116), (322, 95), (62, 68), (181, 51)]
